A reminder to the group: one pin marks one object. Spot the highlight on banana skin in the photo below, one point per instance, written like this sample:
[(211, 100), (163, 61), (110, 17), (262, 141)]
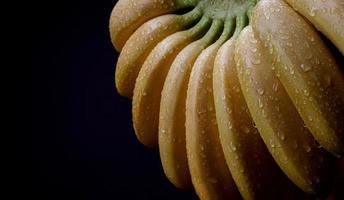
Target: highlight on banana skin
[(243, 98)]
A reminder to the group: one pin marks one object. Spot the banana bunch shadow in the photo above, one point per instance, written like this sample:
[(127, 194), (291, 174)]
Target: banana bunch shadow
[(243, 98)]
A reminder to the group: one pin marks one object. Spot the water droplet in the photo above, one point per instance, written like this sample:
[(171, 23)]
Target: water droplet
[(254, 49), (310, 118), (261, 91), (256, 61), (305, 68), (275, 86), (272, 144), (248, 71), (292, 71), (306, 93), (254, 41), (233, 147), (260, 103)]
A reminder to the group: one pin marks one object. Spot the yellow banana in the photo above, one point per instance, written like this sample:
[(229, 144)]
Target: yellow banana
[(209, 173), (149, 83), (128, 15), (239, 138), (172, 111), (141, 43), (306, 69), (280, 126), (327, 16)]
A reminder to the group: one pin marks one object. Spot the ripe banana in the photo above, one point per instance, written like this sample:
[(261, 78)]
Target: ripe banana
[(141, 43), (280, 126), (209, 173), (239, 138), (327, 16), (306, 69), (128, 15), (172, 144), (150, 81)]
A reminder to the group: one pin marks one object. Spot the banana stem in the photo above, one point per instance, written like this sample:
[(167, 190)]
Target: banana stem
[(213, 33), (241, 23), (252, 4), (186, 3), (192, 16), (228, 30), (200, 27)]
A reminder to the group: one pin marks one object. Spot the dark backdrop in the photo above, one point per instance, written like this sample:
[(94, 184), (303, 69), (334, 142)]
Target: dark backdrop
[(82, 144)]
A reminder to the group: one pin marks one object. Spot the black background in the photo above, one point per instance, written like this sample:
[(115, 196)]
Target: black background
[(82, 144), (76, 131)]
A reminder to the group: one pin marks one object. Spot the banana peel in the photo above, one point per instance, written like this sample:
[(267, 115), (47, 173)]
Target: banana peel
[(278, 122), (172, 145), (142, 42), (151, 78), (306, 69), (327, 16), (128, 15), (209, 173)]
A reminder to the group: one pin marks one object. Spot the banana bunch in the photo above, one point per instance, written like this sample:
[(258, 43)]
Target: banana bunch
[(243, 97)]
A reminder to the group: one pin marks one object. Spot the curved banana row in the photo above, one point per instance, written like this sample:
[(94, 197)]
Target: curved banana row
[(234, 110), (128, 15), (172, 143)]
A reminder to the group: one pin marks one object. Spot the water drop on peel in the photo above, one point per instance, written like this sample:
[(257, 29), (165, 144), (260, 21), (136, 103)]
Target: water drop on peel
[(261, 91), (260, 103), (305, 67)]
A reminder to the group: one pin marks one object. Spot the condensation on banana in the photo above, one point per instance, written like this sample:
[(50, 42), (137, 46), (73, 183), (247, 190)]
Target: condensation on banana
[(306, 69), (209, 173), (172, 145), (277, 120), (128, 15), (142, 42)]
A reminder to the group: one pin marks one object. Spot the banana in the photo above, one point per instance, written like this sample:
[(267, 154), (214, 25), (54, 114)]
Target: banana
[(239, 138), (279, 124), (150, 81), (306, 69), (209, 173), (141, 43), (128, 15), (327, 16), (172, 111)]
